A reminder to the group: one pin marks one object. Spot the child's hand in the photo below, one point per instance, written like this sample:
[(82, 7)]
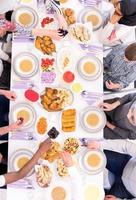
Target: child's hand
[(62, 22), (2, 32), (67, 159)]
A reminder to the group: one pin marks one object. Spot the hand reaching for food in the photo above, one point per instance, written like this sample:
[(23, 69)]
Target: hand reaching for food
[(16, 126), (93, 145), (67, 159), (45, 146), (54, 34), (62, 22)]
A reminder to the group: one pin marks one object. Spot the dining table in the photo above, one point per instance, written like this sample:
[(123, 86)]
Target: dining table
[(29, 139)]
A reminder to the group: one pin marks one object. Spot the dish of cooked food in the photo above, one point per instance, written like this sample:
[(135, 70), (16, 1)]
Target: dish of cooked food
[(69, 15), (45, 44), (68, 120), (92, 16), (25, 16), (93, 119), (25, 65), (43, 175), (42, 125), (61, 168), (52, 154), (56, 99), (80, 33), (71, 145), (58, 193)]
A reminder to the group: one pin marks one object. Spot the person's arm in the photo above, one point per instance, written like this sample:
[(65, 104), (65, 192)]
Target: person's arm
[(14, 176), (11, 95), (112, 197), (12, 127), (4, 56), (127, 98), (121, 146), (124, 134), (76, 183)]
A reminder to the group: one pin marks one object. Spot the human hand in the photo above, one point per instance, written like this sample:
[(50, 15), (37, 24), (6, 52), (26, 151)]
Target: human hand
[(17, 125), (110, 126), (110, 197), (107, 106), (45, 146), (2, 32), (62, 22), (112, 36), (67, 159), (54, 34), (110, 85), (11, 95), (93, 145), (115, 18)]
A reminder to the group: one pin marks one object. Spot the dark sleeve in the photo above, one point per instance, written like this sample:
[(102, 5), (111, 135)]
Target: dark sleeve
[(127, 98), (121, 132), (124, 134)]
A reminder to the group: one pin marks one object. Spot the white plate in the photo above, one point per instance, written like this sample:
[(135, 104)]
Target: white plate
[(25, 56), (94, 188), (16, 108), (28, 10), (102, 119), (90, 10), (83, 166), (15, 156), (98, 65), (63, 185), (76, 40), (65, 52)]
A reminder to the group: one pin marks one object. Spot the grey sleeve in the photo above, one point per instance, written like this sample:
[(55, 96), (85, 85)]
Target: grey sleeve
[(121, 132), (107, 60), (124, 134), (127, 98)]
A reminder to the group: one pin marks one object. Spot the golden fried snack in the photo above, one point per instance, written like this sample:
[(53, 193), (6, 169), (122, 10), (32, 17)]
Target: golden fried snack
[(38, 42), (69, 120), (69, 112), (68, 124), (53, 153), (45, 44), (61, 168), (69, 129), (69, 15), (47, 100)]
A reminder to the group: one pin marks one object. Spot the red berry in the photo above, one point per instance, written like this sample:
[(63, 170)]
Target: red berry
[(68, 77)]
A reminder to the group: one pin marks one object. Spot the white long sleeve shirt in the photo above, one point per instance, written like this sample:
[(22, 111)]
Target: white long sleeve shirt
[(129, 173), (2, 181), (7, 5)]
